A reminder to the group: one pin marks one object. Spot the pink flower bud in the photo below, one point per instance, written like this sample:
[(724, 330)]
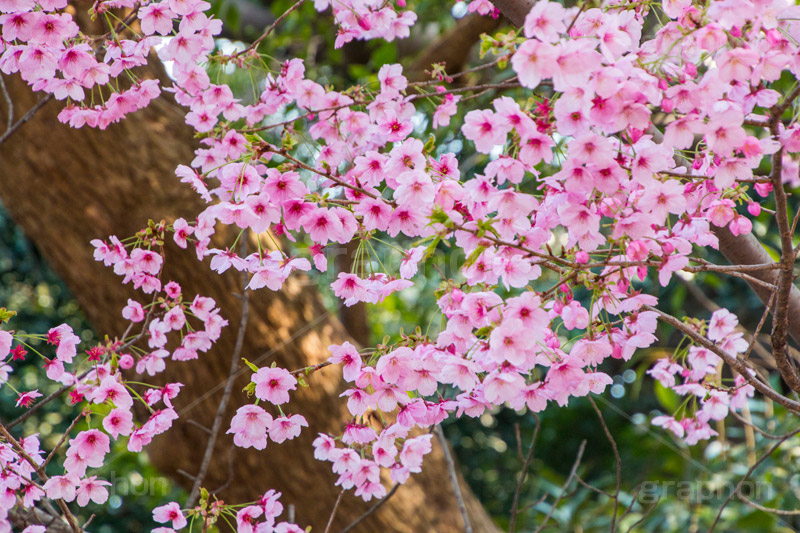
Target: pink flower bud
[(754, 209), (763, 189)]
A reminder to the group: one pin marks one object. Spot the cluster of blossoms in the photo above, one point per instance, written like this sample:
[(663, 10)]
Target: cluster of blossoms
[(368, 19), (44, 44), (96, 380), (708, 397), (626, 202), (252, 423), (108, 396), (258, 518)]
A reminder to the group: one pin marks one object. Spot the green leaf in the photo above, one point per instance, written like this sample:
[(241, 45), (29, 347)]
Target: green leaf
[(668, 399), (252, 367), (6, 315), (476, 253)]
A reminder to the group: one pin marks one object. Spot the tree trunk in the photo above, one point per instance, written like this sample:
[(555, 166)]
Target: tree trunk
[(65, 187)]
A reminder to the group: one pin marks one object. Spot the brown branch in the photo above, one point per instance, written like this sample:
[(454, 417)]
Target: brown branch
[(61, 441), (592, 488), (372, 509), (780, 323), (226, 395), (451, 467), (754, 343), (773, 510), (750, 424), (747, 250), (564, 487), (69, 517), (523, 474), (333, 512), (617, 461), (644, 515), (23, 517), (25, 118), (738, 365), (269, 30), (750, 471), (9, 102)]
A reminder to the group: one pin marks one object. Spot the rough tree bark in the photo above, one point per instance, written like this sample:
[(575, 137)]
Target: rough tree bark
[(65, 187)]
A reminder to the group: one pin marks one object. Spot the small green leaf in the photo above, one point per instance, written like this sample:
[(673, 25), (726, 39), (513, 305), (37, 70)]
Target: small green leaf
[(252, 367), (6, 315)]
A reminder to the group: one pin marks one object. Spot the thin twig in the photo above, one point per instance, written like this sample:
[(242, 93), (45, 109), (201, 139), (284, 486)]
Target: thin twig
[(228, 481), (645, 515), (269, 30), (773, 510), (563, 487), (372, 509), (591, 487), (9, 102), (451, 467), (226, 395), (451, 77), (617, 459), (333, 512), (739, 365), (71, 520), (763, 433), (25, 118), (633, 502), (44, 401), (524, 473), (61, 441), (748, 474)]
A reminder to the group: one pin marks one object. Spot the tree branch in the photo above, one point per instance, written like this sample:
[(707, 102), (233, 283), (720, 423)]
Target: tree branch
[(372, 509), (451, 467), (617, 461), (68, 516), (523, 474), (738, 365), (226, 395), (780, 323), (564, 487), (25, 118), (750, 471)]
